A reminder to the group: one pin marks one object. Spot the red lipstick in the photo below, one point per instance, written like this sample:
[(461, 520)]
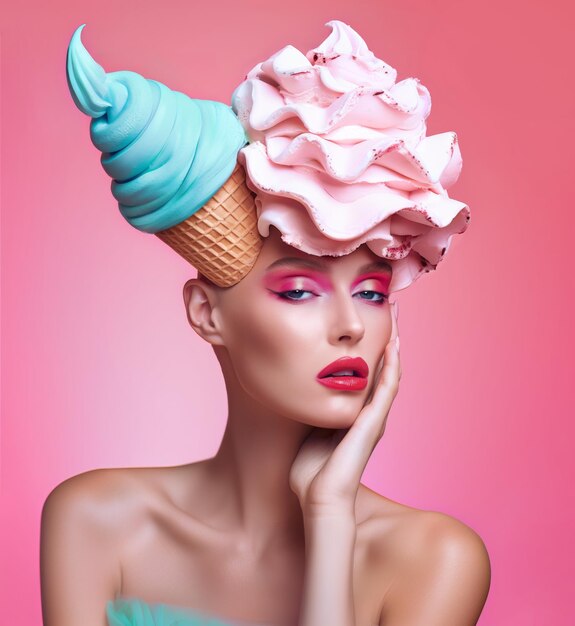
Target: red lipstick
[(345, 374)]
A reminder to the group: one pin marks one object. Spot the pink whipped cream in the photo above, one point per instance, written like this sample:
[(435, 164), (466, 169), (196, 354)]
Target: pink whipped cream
[(338, 156)]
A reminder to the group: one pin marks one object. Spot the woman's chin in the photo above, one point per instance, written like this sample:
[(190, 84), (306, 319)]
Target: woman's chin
[(336, 412)]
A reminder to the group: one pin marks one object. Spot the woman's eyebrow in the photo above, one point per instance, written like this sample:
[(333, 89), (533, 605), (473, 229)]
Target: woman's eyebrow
[(291, 261), (376, 266)]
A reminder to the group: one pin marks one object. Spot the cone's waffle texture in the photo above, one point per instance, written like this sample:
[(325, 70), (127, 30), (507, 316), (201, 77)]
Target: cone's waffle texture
[(221, 240)]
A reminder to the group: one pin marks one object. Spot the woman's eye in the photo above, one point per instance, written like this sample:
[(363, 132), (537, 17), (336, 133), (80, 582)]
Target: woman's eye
[(295, 294), (372, 296)]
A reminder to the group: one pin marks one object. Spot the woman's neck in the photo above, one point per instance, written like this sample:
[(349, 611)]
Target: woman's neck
[(249, 475)]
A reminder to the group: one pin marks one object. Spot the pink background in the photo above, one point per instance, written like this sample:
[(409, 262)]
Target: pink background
[(99, 367)]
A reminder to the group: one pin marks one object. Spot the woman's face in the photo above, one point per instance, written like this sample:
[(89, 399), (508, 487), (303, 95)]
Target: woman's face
[(293, 315)]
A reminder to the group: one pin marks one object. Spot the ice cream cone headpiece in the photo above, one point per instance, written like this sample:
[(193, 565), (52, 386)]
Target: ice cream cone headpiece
[(338, 157), (173, 161)]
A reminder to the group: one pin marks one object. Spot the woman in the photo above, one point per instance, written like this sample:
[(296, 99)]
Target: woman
[(277, 528)]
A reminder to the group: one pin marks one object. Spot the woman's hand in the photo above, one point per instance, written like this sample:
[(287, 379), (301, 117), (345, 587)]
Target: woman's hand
[(327, 471)]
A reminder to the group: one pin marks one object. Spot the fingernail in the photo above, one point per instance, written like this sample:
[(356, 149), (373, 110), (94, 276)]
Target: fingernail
[(396, 309), (397, 343)]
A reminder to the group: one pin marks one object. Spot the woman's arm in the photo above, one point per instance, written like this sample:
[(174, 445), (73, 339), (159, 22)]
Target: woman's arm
[(326, 476), (328, 578), (78, 562)]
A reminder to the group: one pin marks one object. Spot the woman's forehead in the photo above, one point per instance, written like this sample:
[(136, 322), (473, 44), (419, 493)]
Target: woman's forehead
[(276, 253)]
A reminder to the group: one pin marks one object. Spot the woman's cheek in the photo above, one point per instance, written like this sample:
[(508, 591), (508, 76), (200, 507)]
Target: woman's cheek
[(253, 345)]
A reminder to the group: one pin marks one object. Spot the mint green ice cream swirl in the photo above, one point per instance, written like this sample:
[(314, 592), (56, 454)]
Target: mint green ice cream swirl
[(167, 153)]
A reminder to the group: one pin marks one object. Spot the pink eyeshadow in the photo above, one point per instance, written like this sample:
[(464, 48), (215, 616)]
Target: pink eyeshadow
[(382, 279), (286, 280), (289, 279)]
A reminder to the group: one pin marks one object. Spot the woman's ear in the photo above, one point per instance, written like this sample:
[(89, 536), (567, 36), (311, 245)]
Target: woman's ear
[(200, 299)]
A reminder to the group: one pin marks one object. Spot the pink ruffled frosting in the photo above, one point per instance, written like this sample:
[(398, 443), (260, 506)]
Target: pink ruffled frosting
[(338, 156)]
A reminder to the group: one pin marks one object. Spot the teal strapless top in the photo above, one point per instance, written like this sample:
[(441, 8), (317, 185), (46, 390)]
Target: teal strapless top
[(134, 612)]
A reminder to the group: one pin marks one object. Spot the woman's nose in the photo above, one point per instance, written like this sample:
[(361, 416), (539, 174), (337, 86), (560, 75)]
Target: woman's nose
[(346, 324)]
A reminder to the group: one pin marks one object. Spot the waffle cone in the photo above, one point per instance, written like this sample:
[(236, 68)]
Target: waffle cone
[(221, 240)]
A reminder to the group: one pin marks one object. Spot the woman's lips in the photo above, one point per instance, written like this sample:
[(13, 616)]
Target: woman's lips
[(345, 374)]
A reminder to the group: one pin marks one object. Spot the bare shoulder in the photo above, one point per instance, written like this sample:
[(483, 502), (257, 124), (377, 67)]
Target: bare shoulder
[(84, 520), (432, 540), (407, 529), (440, 569), (91, 494), (108, 500)]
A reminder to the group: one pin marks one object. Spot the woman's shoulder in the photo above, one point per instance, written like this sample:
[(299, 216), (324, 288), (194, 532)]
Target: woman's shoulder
[(85, 520), (104, 485), (423, 563), (427, 563), (111, 499), (89, 523), (411, 534)]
